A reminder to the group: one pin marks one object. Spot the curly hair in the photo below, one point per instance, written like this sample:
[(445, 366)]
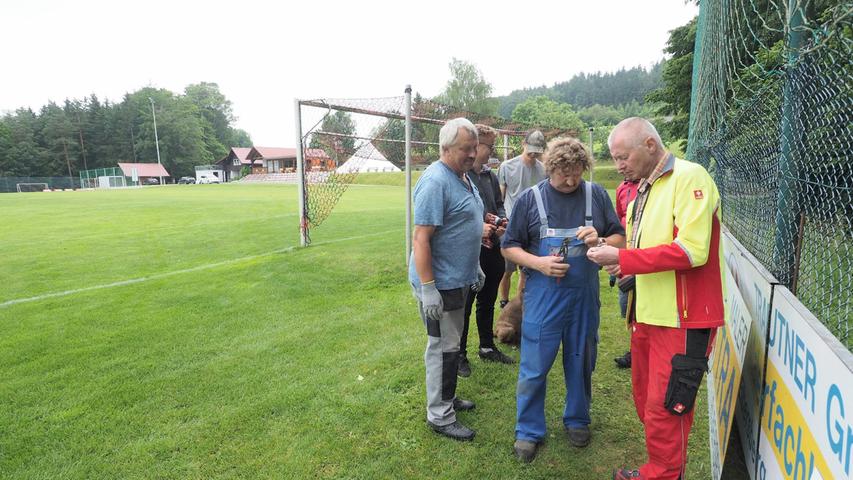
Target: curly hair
[(565, 154), (485, 131)]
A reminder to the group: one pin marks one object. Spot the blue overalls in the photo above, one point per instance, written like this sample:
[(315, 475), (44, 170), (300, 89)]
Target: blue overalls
[(555, 310)]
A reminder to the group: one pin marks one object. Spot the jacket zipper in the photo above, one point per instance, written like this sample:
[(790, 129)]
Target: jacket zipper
[(684, 294)]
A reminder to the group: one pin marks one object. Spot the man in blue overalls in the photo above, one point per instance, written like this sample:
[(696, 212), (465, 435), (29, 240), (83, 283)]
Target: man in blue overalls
[(561, 302)]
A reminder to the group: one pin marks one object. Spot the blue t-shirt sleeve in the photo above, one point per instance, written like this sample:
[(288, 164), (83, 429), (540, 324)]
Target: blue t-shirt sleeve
[(517, 232), (429, 203), (612, 225)]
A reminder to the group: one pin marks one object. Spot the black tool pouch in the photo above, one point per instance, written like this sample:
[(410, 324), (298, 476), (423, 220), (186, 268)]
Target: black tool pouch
[(684, 383), (687, 372)]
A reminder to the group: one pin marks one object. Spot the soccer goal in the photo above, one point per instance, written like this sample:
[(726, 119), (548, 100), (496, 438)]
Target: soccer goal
[(347, 137), (32, 187)]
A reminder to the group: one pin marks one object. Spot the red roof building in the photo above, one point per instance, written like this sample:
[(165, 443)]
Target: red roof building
[(282, 160)]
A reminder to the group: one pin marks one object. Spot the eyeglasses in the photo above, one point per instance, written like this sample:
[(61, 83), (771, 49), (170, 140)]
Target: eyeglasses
[(491, 147)]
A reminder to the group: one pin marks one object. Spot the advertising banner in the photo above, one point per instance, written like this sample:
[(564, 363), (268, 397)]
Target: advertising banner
[(737, 360), (807, 406)]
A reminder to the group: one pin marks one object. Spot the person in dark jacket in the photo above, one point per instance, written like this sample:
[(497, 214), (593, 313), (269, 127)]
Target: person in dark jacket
[(491, 260)]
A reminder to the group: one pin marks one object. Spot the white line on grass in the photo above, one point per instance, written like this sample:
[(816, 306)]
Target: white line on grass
[(158, 276)]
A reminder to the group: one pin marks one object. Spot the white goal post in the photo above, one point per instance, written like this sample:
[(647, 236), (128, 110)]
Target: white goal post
[(32, 187)]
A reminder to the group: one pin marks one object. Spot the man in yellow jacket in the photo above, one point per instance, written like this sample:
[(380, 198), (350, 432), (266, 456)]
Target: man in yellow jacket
[(674, 252)]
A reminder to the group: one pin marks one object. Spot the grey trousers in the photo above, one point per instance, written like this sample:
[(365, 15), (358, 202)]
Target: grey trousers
[(442, 356)]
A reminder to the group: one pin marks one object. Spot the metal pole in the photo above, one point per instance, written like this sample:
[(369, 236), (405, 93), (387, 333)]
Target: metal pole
[(156, 138), (696, 127), (300, 173), (591, 149), (506, 146), (408, 112), (786, 211)]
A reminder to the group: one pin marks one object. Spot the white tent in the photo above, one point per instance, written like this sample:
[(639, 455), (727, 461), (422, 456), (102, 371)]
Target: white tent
[(367, 159)]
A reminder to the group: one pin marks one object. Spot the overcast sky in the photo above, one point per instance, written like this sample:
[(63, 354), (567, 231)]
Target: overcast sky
[(264, 54)]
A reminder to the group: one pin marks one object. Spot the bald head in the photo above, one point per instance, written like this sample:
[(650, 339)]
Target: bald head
[(636, 147), (635, 131)]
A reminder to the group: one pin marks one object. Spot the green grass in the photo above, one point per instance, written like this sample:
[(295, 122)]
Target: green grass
[(258, 360)]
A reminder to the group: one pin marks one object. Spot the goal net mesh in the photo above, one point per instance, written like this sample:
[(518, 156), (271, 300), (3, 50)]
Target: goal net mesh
[(343, 138)]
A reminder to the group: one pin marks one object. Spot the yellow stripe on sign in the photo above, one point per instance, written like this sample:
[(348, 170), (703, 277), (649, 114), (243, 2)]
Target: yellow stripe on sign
[(788, 433), (726, 373)]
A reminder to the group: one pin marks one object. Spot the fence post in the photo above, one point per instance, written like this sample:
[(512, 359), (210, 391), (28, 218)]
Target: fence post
[(692, 133), (591, 154), (408, 107), (786, 214)]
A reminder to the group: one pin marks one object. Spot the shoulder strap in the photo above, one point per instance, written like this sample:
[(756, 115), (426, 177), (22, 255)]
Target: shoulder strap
[(543, 217)]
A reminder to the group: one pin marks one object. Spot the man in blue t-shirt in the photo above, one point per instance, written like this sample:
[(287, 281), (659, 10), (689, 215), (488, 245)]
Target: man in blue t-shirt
[(444, 268), (552, 225)]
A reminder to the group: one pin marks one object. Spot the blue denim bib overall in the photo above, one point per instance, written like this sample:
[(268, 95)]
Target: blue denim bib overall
[(558, 310)]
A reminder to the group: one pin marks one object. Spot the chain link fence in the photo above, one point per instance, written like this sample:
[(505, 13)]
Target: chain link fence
[(772, 118), (10, 184)]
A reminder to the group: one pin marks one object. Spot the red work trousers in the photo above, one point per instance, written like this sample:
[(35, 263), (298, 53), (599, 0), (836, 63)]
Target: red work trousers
[(652, 349)]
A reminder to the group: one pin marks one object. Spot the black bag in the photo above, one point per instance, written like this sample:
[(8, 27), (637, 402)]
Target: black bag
[(684, 383), (627, 283)]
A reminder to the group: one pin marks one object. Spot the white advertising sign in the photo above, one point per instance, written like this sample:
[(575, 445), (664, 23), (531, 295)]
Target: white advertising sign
[(807, 416)]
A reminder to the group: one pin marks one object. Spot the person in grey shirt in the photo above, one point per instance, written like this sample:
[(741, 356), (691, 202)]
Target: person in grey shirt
[(444, 268), (515, 176)]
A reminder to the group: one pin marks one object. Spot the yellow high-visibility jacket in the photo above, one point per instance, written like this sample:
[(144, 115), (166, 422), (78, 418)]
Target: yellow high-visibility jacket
[(677, 255)]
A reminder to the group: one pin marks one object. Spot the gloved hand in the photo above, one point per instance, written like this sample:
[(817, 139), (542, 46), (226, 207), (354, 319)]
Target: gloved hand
[(431, 301), (481, 280)]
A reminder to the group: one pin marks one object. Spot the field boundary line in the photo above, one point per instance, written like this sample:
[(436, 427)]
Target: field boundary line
[(158, 276)]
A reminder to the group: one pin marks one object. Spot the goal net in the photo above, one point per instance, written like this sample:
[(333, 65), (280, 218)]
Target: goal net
[(104, 178), (340, 139), (32, 187)]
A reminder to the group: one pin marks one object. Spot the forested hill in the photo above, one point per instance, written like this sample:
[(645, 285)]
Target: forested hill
[(584, 90), (194, 128)]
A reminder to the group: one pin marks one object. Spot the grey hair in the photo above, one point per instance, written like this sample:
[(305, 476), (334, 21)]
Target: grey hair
[(448, 133), (640, 129)]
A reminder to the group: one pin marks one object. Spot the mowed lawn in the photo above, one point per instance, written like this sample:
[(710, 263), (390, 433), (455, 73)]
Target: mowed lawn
[(176, 332)]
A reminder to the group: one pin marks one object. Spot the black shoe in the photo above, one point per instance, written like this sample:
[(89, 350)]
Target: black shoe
[(525, 450), (503, 303), (578, 436), (464, 369), (463, 405), (455, 430), (624, 361), (494, 355)]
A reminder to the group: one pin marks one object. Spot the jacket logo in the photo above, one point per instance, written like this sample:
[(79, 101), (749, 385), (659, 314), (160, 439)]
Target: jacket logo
[(698, 195)]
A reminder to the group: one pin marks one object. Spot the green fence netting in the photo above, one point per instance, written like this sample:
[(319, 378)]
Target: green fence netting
[(772, 118), (10, 184)]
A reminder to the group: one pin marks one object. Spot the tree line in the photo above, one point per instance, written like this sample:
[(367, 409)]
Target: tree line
[(584, 90), (194, 128)]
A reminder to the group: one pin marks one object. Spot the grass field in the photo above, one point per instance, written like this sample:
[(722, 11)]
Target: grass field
[(176, 332)]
